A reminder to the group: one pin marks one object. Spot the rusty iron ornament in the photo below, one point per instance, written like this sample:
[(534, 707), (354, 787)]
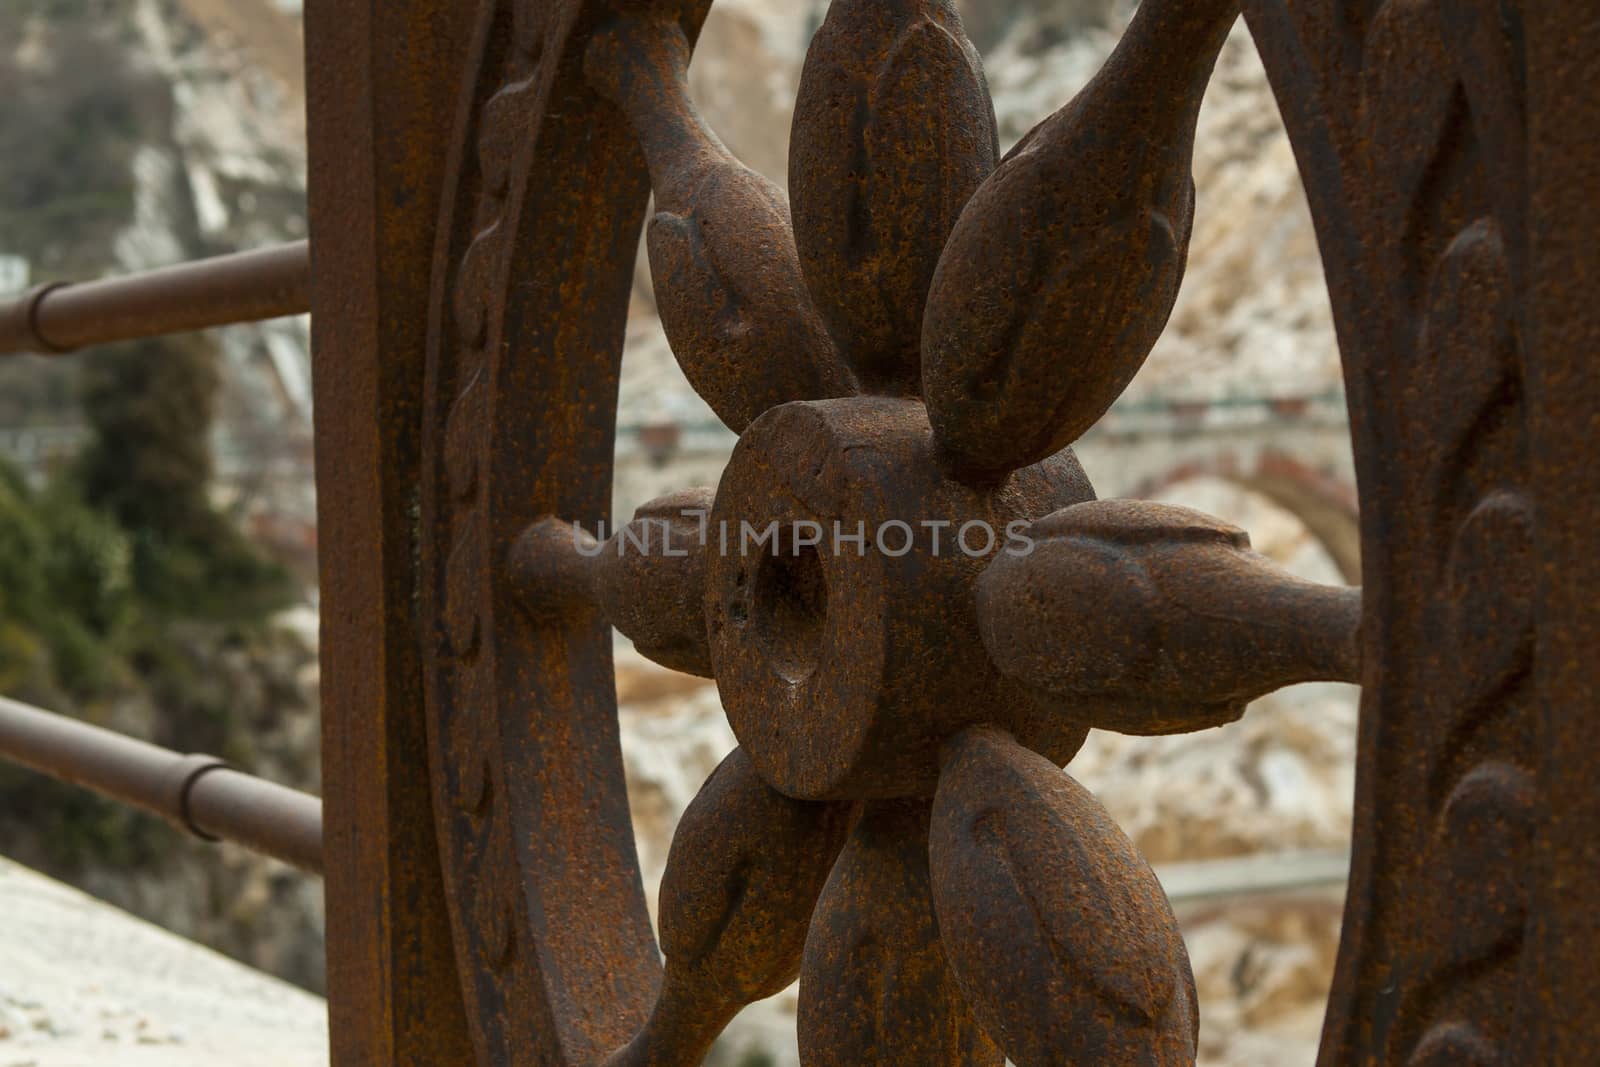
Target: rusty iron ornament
[(1063, 268), (1410, 123), (729, 286), (1467, 939), (552, 940), (943, 891), (905, 844), (899, 744)]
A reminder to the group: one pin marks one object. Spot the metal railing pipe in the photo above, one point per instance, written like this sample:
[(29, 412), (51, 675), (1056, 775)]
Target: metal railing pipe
[(243, 287), (198, 794)]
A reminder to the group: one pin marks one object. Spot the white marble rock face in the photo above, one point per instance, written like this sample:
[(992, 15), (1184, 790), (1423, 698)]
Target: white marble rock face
[(86, 985)]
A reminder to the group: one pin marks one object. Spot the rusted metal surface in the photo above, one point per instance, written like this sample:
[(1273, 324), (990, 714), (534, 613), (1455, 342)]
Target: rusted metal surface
[(746, 868), (243, 287), (1064, 267), (1562, 332), (720, 233), (649, 575), (876, 986), (538, 235), (1063, 941), (1443, 167), (200, 795), (895, 827), (843, 666), (381, 88), (848, 642), (1190, 624), (871, 217)]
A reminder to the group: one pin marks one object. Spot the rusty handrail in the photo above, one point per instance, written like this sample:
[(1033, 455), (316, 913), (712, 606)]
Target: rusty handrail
[(243, 287), (198, 794)]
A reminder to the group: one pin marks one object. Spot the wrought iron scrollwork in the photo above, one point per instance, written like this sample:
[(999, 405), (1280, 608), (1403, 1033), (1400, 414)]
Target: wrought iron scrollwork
[(916, 341), (1408, 120)]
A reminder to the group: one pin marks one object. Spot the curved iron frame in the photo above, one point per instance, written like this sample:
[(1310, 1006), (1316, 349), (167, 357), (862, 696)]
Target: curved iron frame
[(1457, 245)]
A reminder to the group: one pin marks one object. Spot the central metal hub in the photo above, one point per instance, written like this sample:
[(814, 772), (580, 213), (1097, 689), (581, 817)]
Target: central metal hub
[(840, 603)]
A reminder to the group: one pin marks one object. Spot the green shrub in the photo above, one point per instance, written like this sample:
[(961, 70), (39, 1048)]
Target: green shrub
[(87, 562), (65, 829), (64, 593), (151, 404), (120, 583)]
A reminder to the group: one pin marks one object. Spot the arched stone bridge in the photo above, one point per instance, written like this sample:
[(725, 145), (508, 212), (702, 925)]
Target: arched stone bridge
[(1293, 450)]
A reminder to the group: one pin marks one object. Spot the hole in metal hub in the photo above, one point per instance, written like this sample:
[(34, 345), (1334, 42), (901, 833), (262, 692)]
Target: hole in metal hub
[(790, 609)]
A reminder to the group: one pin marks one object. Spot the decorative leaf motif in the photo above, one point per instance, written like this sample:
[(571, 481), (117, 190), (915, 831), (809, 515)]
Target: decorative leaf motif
[(1191, 625), (1417, 126), (893, 132), (1490, 818), (728, 283), (875, 987), (552, 940), (1415, 119), (1492, 631), (746, 866), (1056, 928), (1467, 339), (1456, 1044), (1487, 39), (1065, 264)]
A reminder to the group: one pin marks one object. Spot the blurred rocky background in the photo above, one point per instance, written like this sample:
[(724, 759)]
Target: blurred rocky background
[(155, 501), (141, 132)]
